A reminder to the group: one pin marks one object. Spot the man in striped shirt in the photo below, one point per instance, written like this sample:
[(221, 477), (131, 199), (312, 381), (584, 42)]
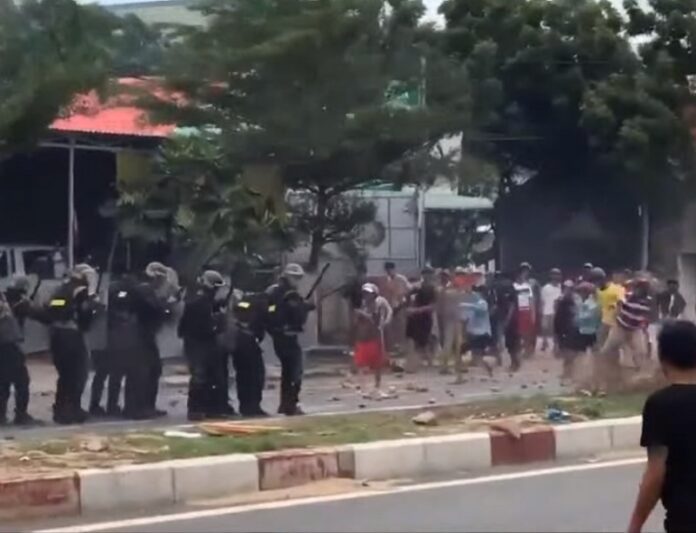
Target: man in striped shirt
[(627, 334)]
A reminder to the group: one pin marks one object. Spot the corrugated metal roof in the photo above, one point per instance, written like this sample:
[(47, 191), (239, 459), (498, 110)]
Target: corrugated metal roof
[(118, 115)]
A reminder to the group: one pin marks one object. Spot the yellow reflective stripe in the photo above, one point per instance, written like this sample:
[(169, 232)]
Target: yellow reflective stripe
[(271, 309), (58, 303), (244, 305)]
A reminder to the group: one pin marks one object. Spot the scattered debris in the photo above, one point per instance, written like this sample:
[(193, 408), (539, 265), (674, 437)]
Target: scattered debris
[(327, 433), (335, 399), (216, 429), (182, 434), (495, 389), (553, 414), (524, 386), (426, 418), (94, 443), (173, 403), (432, 401), (511, 427), (361, 406), (410, 434)]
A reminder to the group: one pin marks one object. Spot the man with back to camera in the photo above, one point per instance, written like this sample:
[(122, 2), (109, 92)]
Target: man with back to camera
[(550, 294), (69, 314), (669, 435), (199, 329), (287, 314)]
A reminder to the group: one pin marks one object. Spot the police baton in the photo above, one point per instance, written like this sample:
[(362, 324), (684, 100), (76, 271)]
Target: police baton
[(317, 282)]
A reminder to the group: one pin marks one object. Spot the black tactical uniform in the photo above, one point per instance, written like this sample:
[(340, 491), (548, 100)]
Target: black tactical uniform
[(141, 354), (199, 329), (121, 333), (247, 356), (287, 314), (13, 366), (70, 313)]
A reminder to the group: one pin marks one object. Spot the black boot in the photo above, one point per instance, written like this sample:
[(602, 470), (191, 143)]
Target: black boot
[(25, 419)]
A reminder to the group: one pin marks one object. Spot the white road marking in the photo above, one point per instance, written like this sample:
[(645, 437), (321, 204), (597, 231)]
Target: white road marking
[(212, 513)]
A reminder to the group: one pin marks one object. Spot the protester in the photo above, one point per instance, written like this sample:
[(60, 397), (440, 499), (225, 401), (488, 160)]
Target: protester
[(669, 435), (609, 294), (627, 333), (370, 320), (396, 291), (670, 303), (419, 323), (506, 318), (526, 312), (588, 317), (565, 328), (550, 293), (451, 326), (475, 314)]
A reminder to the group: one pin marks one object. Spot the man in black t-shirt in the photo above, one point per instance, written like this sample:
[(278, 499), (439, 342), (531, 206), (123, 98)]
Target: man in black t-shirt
[(669, 434), (419, 324)]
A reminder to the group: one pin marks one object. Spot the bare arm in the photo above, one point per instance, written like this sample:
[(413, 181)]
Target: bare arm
[(650, 487)]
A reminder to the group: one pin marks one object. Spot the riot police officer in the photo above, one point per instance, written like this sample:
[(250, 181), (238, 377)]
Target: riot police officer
[(121, 340), (287, 314), (14, 309), (199, 329), (151, 305), (247, 356), (70, 313)]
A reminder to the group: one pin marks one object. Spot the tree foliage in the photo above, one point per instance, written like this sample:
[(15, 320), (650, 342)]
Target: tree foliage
[(301, 84), (561, 93), (49, 50)]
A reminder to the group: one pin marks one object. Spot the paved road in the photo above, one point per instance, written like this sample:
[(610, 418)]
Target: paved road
[(322, 394), (587, 497)]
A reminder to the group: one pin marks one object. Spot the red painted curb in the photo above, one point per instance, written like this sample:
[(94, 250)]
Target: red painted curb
[(534, 445), (292, 468), (34, 498)]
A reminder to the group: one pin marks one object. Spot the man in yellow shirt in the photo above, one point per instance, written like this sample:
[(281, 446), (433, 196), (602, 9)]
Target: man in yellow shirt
[(609, 295)]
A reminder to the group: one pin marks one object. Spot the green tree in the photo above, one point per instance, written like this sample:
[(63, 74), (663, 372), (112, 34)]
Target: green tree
[(562, 95), (316, 88), (49, 51)]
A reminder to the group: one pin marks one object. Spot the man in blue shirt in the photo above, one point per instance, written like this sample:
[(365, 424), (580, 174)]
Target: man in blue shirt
[(475, 314)]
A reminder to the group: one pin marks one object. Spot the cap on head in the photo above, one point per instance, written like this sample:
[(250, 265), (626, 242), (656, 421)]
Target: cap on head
[(212, 279), (568, 284), (555, 272), (588, 266), (293, 270), (525, 266), (370, 288), (598, 273), (156, 270)]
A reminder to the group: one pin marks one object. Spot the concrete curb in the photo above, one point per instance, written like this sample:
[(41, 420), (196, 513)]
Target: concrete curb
[(166, 483)]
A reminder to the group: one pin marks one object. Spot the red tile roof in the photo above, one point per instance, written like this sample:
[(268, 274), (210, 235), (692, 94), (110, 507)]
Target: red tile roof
[(118, 115)]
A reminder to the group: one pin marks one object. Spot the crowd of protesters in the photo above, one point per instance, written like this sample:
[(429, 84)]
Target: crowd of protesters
[(466, 317)]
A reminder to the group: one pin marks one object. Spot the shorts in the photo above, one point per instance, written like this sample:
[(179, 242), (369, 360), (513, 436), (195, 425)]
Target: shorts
[(526, 323), (547, 325), (576, 342), (477, 343), (419, 328), (513, 340), (369, 354)]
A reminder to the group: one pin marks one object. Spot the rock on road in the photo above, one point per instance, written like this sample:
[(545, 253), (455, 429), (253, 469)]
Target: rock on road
[(583, 497)]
